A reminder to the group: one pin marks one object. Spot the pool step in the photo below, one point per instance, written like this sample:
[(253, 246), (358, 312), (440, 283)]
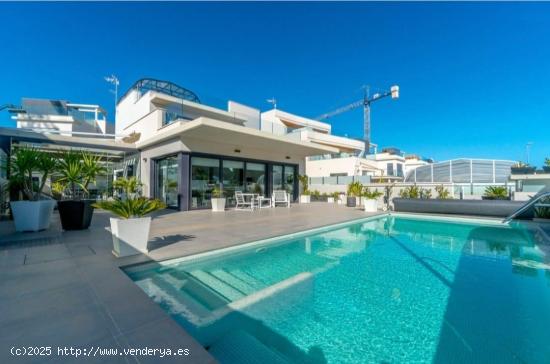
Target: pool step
[(197, 297), (234, 281), (221, 287), (243, 348)]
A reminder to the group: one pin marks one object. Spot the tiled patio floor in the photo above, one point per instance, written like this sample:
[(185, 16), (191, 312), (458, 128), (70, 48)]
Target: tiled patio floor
[(66, 288)]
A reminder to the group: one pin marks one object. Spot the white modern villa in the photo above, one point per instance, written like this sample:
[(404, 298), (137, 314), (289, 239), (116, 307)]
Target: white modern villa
[(181, 149)]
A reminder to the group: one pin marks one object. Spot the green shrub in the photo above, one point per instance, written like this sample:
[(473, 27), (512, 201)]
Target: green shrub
[(542, 212), (217, 192), (410, 192), (355, 189), (442, 192), (415, 191), (496, 192), (371, 195)]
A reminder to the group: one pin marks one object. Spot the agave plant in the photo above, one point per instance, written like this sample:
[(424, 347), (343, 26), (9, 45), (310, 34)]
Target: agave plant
[(130, 207)]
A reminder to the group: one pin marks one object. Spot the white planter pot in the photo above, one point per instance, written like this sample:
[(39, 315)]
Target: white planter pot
[(130, 236), (32, 215), (330, 199), (305, 198), (370, 205), (341, 201), (218, 204), (358, 201)]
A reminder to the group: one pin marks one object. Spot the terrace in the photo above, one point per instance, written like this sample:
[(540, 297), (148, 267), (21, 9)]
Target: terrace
[(66, 288)]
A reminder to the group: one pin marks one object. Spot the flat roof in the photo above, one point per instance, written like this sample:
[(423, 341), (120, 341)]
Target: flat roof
[(77, 142)]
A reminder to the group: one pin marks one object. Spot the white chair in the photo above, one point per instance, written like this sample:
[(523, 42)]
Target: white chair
[(242, 203), (280, 197)]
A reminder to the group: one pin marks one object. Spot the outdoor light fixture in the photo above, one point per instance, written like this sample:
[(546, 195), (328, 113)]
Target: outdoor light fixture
[(237, 150), (287, 157)]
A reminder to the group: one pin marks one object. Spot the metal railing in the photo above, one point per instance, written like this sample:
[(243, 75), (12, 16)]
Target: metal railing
[(531, 203)]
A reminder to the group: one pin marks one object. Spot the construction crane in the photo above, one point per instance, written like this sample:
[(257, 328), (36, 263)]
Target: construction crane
[(10, 107), (365, 102)]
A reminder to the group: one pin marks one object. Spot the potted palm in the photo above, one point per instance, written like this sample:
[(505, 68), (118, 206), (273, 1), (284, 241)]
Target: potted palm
[(354, 192), (305, 196), (546, 166), (218, 199), (522, 168), (130, 230), (370, 199), (77, 170), (31, 212), (127, 187), (333, 197)]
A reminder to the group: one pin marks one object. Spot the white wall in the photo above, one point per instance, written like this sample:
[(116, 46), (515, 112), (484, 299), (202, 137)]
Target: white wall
[(130, 109), (324, 167), (250, 114)]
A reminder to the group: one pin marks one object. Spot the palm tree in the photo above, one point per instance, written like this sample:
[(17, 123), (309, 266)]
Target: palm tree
[(91, 168), (25, 161), (71, 171)]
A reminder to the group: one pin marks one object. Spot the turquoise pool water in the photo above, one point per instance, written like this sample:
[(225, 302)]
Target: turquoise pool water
[(393, 289)]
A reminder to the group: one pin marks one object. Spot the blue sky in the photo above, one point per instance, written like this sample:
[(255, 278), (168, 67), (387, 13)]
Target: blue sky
[(474, 77)]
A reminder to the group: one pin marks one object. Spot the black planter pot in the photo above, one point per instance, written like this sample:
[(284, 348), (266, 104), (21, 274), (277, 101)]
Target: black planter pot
[(75, 215), (351, 201), (546, 169)]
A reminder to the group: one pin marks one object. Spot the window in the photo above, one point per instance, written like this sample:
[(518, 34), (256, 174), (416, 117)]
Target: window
[(233, 179), (255, 178), (205, 175), (390, 169), (399, 169), (167, 181)]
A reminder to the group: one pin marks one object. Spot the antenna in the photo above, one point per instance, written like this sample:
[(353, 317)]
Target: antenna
[(113, 80), (272, 101)]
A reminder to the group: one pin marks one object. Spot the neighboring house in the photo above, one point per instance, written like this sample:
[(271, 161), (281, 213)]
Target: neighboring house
[(61, 117)]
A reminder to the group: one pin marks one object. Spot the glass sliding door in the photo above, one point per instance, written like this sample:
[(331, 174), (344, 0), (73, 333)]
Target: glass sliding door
[(289, 181), (233, 179), (277, 178), (205, 175), (255, 178), (167, 181), (283, 178)]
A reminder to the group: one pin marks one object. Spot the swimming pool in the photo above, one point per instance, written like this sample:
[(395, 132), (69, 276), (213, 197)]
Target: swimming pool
[(389, 289)]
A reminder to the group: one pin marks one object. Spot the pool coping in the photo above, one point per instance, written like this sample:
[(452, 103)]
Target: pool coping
[(478, 220)]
